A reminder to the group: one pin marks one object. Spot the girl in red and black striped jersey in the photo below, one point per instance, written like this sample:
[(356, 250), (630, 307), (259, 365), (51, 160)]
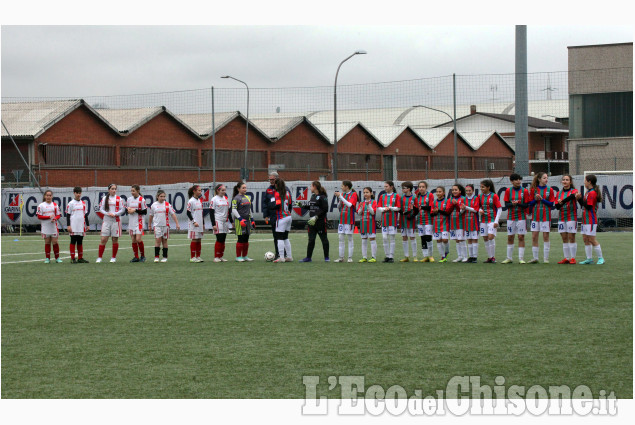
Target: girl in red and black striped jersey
[(471, 222), (490, 211), (424, 220), (589, 203), (542, 199), (283, 221), (388, 206), (347, 206), (367, 225), (516, 201), (408, 221), (457, 222), (568, 219), (49, 213), (441, 210)]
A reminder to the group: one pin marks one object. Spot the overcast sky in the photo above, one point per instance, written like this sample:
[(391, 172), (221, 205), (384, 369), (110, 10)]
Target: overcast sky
[(82, 61)]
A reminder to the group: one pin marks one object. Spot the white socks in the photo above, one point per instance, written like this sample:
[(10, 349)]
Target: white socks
[(588, 249), (545, 248), (413, 245), (373, 248), (573, 249), (566, 250), (510, 251), (391, 242), (351, 246), (281, 247), (441, 248), (490, 248), (287, 248), (535, 250), (342, 245), (598, 250), (364, 247), (521, 253), (406, 248)]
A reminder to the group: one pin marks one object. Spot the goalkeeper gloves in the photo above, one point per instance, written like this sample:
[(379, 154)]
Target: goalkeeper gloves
[(312, 220), (243, 222)]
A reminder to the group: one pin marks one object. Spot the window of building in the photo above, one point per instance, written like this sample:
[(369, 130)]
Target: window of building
[(235, 160), (158, 157), (77, 156), (601, 115), (296, 161), (357, 162)]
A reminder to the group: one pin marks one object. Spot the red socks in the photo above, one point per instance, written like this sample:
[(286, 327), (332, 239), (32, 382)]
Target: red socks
[(101, 250), (115, 248), (47, 250), (192, 249), (80, 251), (239, 249), (135, 249), (142, 250), (56, 251), (72, 249), (245, 249)]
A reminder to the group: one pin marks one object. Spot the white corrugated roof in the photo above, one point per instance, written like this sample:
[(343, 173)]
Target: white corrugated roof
[(277, 127), (342, 129), (29, 119), (432, 136), (128, 120), (201, 124), (476, 139), (386, 134)]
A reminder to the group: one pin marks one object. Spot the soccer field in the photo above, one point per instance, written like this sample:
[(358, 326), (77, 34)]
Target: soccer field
[(253, 330)]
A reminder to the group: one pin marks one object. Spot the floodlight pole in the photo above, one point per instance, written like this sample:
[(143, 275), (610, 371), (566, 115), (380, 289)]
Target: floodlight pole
[(246, 172), (456, 161), (359, 52)]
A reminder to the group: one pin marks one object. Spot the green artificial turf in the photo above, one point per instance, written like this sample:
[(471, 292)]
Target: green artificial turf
[(253, 330)]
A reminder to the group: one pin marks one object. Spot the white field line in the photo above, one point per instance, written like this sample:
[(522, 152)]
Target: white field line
[(121, 248)]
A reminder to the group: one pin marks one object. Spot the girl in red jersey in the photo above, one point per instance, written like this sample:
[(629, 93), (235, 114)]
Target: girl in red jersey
[(388, 206), (471, 223), (408, 221), (347, 205), (516, 200), (424, 220), (457, 222), (542, 198), (568, 219), (589, 203), (441, 231), (367, 225), (48, 213), (490, 214)]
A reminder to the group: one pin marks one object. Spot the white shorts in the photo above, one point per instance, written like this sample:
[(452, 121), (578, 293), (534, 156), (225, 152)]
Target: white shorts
[(51, 235), (471, 235), (540, 226), (223, 226), (516, 227), (457, 234), (194, 235), (111, 228), (77, 233), (441, 235), (161, 232), (135, 231), (346, 229), (408, 232), (487, 229), (424, 230), (367, 235), (390, 230), (284, 224), (589, 229), (567, 226)]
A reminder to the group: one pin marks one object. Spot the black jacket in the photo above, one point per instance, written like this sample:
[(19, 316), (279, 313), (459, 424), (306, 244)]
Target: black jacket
[(269, 207), (318, 206)]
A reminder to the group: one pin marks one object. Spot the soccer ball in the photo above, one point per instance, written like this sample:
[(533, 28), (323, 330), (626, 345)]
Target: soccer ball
[(269, 256)]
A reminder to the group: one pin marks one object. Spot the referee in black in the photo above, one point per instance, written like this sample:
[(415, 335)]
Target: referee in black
[(318, 206)]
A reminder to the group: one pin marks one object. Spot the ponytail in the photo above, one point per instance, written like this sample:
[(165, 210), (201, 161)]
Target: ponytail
[(319, 187), (591, 178), (190, 191), (237, 187)]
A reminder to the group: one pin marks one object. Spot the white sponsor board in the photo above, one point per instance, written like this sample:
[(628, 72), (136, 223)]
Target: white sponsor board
[(617, 197)]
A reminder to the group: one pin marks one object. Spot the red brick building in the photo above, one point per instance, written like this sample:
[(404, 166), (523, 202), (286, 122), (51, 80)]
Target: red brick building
[(70, 143)]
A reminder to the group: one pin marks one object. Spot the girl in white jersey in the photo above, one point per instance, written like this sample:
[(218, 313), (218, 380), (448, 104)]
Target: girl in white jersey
[(137, 208), (111, 208), (195, 226), (219, 214), (48, 212), (159, 217), (76, 225)]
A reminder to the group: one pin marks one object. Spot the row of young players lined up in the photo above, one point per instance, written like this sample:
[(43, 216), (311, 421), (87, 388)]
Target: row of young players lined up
[(461, 216)]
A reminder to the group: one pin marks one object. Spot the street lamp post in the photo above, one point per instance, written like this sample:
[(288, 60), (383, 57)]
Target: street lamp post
[(456, 157), (359, 52), (245, 171)]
